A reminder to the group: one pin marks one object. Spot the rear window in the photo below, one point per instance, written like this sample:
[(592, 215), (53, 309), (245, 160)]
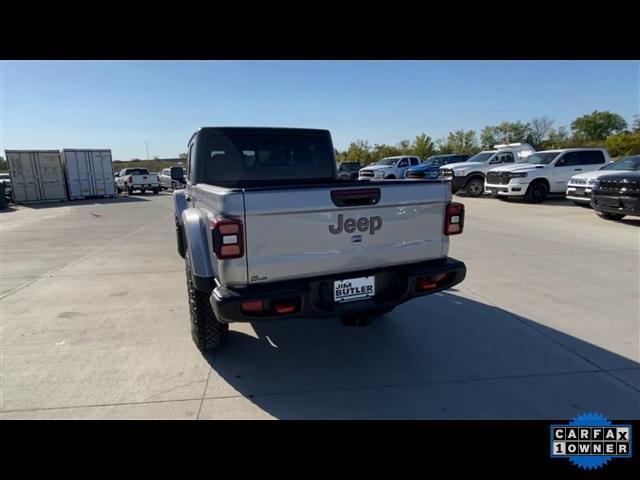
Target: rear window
[(137, 171), (235, 158)]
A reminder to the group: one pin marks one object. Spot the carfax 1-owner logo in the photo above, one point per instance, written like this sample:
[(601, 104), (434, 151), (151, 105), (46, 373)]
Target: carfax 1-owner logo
[(590, 440)]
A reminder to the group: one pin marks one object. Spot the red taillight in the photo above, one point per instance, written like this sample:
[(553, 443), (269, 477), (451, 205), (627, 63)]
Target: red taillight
[(130, 179), (426, 284), (253, 306), (282, 308), (429, 283), (454, 219), (227, 238)]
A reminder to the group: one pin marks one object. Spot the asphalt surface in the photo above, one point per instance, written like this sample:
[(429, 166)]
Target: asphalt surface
[(94, 324)]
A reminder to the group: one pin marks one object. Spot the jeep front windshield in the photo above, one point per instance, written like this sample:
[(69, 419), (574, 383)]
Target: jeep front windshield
[(543, 158), (629, 163), (481, 157)]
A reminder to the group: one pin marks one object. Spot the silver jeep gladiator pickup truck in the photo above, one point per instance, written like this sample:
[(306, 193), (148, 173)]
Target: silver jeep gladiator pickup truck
[(268, 230)]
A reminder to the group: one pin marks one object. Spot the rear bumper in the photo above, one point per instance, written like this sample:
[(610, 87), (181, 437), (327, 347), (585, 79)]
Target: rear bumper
[(313, 297), (616, 204)]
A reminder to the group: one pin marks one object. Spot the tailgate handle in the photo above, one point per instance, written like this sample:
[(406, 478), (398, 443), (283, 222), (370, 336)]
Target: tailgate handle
[(355, 197)]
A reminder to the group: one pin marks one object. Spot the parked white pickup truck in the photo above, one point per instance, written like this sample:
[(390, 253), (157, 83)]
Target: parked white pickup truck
[(389, 168), (268, 231), (131, 179), (543, 173), (469, 176)]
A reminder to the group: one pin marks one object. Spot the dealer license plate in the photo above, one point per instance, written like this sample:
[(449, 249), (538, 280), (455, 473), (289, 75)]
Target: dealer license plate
[(353, 289)]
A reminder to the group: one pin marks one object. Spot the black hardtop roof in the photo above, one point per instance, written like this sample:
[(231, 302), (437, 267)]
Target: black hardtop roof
[(299, 131)]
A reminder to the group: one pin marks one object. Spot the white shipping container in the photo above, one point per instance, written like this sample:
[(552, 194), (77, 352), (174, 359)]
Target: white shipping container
[(89, 173), (36, 175)]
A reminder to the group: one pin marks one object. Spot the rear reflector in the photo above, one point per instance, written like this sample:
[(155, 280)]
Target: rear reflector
[(253, 306), (284, 308), (429, 283), (426, 284)]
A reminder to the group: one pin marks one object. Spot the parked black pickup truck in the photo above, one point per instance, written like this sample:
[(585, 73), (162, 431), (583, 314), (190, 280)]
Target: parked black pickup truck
[(615, 196)]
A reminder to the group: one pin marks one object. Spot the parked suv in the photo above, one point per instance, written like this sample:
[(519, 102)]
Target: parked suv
[(267, 231), (172, 178), (389, 168), (580, 186), (349, 170), (615, 196), (543, 173), (427, 166)]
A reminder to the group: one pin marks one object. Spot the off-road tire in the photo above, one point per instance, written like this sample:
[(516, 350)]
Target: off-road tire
[(129, 191), (390, 177), (180, 240), (610, 216), (474, 187), (536, 192), (156, 191), (206, 331)]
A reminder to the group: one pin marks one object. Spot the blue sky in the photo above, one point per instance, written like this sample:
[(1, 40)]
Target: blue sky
[(118, 105)]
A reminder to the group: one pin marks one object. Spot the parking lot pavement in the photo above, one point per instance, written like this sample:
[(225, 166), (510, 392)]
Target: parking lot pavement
[(95, 325)]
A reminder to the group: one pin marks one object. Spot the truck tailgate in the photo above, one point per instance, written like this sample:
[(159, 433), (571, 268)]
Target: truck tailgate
[(296, 233), (145, 179)]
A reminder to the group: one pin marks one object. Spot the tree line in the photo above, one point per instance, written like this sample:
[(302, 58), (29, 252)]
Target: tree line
[(597, 129)]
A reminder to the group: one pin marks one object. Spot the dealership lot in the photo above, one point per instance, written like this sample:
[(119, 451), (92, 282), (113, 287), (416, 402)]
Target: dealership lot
[(95, 325)]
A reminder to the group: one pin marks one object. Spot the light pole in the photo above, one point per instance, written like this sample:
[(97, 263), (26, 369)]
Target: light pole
[(146, 145)]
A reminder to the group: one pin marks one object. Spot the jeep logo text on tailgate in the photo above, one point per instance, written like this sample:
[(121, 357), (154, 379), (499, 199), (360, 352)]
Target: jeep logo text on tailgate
[(373, 224)]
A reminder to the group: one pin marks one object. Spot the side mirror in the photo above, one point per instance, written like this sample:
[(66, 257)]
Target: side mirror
[(560, 163)]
